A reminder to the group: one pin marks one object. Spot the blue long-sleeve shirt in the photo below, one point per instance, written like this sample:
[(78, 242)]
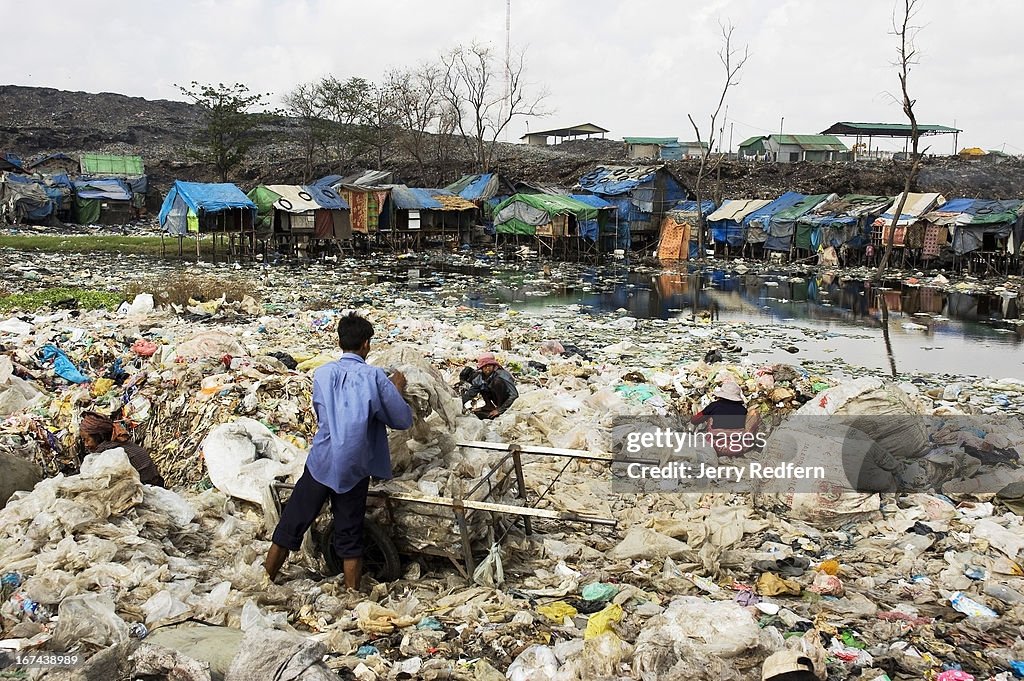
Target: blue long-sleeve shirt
[(353, 402)]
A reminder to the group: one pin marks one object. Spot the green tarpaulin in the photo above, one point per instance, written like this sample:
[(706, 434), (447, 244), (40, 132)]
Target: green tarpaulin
[(264, 200), (111, 164), (522, 213), (87, 211)]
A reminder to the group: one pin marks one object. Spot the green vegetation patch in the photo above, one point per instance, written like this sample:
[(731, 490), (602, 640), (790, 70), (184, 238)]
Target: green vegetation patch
[(61, 297)]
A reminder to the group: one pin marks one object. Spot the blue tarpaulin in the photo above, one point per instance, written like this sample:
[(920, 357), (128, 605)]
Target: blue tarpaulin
[(615, 180), (328, 181), (414, 198), (758, 222), (326, 197), (110, 189), (590, 229), (195, 198), (475, 187)]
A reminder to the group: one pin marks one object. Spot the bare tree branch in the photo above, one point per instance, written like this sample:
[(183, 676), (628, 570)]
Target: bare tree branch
[(474, 99), (906, 32), (732, 59)]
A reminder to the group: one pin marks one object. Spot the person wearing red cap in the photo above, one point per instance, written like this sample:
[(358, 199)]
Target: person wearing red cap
[(493, 383)]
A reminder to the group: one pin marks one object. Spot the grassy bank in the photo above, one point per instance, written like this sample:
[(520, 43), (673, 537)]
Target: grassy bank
[(127, 245)]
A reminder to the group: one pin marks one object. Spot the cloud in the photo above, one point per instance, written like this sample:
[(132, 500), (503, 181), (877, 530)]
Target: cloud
[(636, 68)]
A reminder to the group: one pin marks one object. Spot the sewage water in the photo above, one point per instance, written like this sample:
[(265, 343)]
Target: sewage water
[(929, 330)]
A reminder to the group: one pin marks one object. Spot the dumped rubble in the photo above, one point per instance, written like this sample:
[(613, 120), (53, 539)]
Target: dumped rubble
[(707, 584)]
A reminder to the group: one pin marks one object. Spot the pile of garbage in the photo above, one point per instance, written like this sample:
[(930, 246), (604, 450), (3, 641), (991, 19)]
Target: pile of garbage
[(716, 583)]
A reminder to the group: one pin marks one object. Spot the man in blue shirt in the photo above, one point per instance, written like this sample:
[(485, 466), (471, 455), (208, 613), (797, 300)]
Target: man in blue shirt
[(355, 403)]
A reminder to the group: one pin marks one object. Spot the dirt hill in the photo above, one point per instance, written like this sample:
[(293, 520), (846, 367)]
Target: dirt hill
[(43, 120)]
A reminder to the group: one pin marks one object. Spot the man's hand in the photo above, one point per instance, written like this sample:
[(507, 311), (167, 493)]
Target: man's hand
[(398, 379), (493, 414)]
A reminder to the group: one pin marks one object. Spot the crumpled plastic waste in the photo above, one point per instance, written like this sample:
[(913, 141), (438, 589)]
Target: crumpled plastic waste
[(63, 366)]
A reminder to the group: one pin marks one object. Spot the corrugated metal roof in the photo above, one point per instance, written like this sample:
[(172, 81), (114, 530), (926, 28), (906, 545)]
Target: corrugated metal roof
[(753, 140), (812, 142), (895, 129), (581, 129), (651, 140), (367, 178)]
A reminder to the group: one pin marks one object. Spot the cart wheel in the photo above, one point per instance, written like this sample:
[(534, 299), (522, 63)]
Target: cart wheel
[(380, 557)]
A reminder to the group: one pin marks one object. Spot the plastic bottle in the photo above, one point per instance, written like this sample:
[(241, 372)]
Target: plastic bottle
[(1003, 593)]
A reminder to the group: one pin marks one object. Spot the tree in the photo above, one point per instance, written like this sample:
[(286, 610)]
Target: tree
[(418, 102), (906, 58), (378, 121), (227, 135), (479, 103), (343, 104), (305, 104), (732, 61)]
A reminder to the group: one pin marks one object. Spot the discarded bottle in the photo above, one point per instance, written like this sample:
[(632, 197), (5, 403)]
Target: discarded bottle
[(1003, 593)]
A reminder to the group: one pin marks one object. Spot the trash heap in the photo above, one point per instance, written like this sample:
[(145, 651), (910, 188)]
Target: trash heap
[(697, 585)]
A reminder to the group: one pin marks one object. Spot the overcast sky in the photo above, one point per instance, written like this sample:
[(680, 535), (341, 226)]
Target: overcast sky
[(636, 68)]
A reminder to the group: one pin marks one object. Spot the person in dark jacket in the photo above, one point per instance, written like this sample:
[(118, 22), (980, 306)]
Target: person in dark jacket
[(492, 382), (728, 420), (98, 435)]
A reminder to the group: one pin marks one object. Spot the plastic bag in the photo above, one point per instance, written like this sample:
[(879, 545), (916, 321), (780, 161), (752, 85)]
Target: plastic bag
[(162, 605), (601, 622), (557, 611), (489, 572), (243, 458), (89, 619), (16, 394), (720, 628), (642, 542), (536, 663), (179, 511)]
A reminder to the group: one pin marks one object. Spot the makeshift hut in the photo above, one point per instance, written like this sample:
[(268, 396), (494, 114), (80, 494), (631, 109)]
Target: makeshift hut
[(554, 224), (103, 201), (23, 199), (910, 228), (485, 191), (678, 240), (298, 216), (416, 214), (757, 223), (725, 224), (53, 164), (641, 194), (782, 225), (219, 209), (129, 169), (366, 202), (980, 227), (843, 223)]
